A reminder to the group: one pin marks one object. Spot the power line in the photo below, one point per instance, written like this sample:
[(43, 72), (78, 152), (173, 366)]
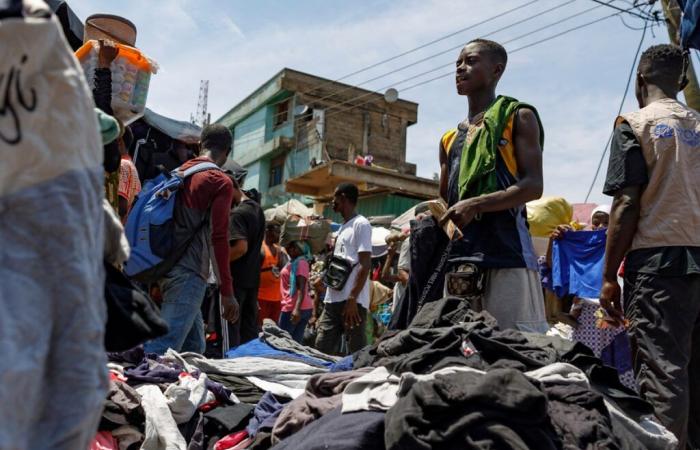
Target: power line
[(451, 49), (451, 73), (347, 88), (630, 11), (354, 86), (420, 47), (619, 111), (350, 107)]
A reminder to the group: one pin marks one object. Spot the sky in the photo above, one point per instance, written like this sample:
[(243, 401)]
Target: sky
[(576, 80)]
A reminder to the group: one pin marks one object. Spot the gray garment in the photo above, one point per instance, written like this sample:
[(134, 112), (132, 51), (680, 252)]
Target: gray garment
[(404, 264), (559, 373), (127, 435), (664, 315), (331, 329), (648, 431), (375, 391), (281, 377), (281, 340), (185, 396), (323, 394), (514, 297), (53, 322), (116, 245), (161, 430), (379, 390)]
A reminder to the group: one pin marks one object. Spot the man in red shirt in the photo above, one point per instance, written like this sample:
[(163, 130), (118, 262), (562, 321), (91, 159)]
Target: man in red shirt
[(202, 217)]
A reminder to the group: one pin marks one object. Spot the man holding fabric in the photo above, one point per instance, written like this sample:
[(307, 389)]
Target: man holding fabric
[(491, 165)]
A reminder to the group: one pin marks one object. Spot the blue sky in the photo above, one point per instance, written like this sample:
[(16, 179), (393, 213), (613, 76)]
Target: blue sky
[(576, 81)]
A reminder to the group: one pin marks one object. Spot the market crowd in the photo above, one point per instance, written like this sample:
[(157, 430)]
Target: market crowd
[(159, 307)]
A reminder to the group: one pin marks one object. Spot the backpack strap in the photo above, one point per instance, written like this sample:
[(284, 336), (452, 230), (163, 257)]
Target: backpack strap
[(201, 167)]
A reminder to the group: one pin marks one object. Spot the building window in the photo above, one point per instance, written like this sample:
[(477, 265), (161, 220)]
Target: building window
[(281, 113), (276, 171)]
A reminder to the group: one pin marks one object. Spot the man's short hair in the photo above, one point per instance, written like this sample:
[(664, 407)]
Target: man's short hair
[(662, 65), (273, 226), (216, 138), (349, 191), (494, 49)]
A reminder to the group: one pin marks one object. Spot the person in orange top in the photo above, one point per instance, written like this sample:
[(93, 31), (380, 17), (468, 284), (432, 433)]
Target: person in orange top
[(269, 295)]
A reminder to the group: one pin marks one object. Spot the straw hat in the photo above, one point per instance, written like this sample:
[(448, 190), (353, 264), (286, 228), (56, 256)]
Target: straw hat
[(110, 27)]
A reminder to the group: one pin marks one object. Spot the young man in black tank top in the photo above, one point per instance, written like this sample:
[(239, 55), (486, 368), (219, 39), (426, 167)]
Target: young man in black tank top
[(491, 213)]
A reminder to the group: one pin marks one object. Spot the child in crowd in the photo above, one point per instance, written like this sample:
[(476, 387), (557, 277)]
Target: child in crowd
[(297, 305)]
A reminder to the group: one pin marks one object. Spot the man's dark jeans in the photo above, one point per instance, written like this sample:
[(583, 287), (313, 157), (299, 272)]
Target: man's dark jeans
[(664, 314), (331, 327), (246, 329)]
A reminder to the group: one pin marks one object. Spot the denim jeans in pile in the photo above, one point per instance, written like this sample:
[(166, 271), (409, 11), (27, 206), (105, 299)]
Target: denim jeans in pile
[(183, 292)]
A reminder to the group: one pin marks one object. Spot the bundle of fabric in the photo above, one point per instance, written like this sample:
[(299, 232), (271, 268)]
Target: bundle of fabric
[(451, 380), (187, 401), (454, 380)]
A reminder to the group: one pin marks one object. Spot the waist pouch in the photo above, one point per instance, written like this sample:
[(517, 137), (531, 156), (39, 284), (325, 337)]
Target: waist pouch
[(465, 280), (338, 271)]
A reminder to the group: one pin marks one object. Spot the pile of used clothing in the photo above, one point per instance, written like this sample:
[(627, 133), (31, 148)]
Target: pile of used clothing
[(451, 380)]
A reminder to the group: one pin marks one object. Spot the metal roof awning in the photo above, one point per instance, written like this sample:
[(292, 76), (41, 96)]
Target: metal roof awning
[(321, 181)]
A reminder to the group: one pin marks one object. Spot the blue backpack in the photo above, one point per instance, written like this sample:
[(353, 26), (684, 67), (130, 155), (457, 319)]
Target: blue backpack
[(150, 227)]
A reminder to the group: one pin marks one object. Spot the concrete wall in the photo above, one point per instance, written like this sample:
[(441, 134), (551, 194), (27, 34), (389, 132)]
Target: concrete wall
[(249, 136)]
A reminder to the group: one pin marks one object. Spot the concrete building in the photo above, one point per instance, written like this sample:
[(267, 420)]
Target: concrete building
[(299, 135)]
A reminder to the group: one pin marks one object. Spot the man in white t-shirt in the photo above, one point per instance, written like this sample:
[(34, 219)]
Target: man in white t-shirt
[(345, 310)]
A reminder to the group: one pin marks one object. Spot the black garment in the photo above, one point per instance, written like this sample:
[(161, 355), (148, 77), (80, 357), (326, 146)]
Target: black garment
[(628, 168), (246, 391), (193, 432), (664, 314), (128, 358), (419, 350), (247, 223), (246, 329), (10, 9), (665, 261), (222, 421), (428, 244), (132, 317), (580, 417), (102, 95), (353, 431), (122, 407), (498, 410), (450, 311), (603, 379)]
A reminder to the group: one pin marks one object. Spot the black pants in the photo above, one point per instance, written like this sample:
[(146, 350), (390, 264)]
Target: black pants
[(246, 329), (331, 328), (664, 315)]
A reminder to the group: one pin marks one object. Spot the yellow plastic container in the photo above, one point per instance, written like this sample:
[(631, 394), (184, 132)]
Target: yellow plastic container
[(131, 77)]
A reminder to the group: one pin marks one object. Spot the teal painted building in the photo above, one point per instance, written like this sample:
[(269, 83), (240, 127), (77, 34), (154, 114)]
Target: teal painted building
[(296, 123)]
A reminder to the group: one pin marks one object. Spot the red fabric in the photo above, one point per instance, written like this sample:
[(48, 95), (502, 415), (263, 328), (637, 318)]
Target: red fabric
[(205, 408), (212, 189), (104, 441), (230, 441), (269, 310)]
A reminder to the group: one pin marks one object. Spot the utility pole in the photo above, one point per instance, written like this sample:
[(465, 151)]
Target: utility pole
[(672, 12)]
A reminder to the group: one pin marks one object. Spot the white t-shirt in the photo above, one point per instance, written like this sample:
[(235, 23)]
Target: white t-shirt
[(354, 237)]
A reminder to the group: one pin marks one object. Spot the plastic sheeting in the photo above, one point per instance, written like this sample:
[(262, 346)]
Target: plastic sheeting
[(186, 132)]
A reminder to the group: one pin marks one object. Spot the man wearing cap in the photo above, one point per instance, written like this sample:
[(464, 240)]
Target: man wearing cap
[(246, 234)]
